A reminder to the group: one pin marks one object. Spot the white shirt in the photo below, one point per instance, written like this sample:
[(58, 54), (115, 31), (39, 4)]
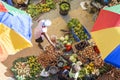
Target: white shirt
[(39, 30)]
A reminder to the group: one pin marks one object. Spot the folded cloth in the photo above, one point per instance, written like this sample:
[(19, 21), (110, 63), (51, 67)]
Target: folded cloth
[(82, 4)]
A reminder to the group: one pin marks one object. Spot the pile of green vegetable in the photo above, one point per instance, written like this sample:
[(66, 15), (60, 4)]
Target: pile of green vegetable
[(36, 9), (66, 41), (64, 6), (26, 68), (90, 67), (75, 25)]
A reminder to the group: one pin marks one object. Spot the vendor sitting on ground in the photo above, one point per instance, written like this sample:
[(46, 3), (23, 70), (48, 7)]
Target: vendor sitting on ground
[(74, 72), (41, 32)]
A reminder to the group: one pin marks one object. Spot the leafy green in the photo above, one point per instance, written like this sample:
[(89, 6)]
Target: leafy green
[(64, 6), (36, 9), (75, 25)]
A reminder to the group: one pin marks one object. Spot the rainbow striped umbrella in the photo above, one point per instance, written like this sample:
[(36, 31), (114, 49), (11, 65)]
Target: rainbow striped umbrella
[(106, 33), (15, 30)]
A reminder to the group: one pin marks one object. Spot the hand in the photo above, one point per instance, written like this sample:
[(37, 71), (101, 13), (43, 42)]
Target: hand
[(53, 45)]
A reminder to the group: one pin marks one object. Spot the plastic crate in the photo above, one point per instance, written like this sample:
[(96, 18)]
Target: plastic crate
[(77, 38)]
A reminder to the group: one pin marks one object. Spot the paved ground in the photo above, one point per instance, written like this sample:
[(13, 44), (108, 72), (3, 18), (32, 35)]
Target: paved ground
[(58, 22)]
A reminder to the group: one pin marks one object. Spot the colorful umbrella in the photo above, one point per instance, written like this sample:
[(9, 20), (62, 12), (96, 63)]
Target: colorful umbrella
[(106, 32), (15, 29)]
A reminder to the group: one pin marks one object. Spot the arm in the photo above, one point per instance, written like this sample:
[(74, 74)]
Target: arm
[(48, 39)]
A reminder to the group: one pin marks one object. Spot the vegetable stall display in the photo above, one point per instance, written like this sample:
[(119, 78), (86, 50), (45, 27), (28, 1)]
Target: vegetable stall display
[(26, 68), (62, 61), (64, 8), (49, 57), (58, 62), (78, 31), (36, 9)]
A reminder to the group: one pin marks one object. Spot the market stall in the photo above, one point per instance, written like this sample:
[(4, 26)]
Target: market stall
[(76, 56)]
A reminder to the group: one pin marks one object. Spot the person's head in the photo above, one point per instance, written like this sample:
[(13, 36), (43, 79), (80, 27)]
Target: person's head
[(53, 38), (46, 22), (75, 68)]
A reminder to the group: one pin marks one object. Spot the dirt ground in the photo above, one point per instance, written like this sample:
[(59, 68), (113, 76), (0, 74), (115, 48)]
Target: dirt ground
[(58, 22)]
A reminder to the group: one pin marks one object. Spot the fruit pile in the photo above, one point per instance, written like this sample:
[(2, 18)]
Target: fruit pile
[(77, 29), (34, 66), (26, 68), (36, 9), (64, 6), (89, 72)]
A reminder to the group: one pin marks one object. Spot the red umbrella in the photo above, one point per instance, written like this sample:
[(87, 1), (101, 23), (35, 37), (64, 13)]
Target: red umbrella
[(106, 32)]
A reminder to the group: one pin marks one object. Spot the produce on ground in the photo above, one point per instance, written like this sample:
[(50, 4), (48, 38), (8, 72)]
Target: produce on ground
[(35, 67), (64, 6), (89, 72), (67, 39), (26, 68), (49, 57), (109, 73), (22, 70), (88, 54), (67, 42), (75, 26), (36, 9), (73, 58)]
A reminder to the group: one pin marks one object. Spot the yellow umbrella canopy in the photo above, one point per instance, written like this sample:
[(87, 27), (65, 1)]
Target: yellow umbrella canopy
[(15, 30), (10, 41)]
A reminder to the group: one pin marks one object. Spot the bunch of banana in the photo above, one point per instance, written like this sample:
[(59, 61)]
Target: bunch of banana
[(35, 67)]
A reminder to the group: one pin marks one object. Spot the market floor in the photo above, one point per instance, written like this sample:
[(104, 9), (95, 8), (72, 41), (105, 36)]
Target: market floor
[(58, 22)]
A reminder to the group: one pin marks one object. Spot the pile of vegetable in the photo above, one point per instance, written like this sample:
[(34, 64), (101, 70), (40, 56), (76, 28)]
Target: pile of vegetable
[(64, 6), (77, 28), (89, 54), (26, 68), (90, 72), (89, 60), (66, 41), (92, 64), (49, 57), (109, 72), (36, 9)]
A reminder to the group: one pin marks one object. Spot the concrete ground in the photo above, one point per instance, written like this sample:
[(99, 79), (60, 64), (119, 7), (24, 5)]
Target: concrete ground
[(58, 22)]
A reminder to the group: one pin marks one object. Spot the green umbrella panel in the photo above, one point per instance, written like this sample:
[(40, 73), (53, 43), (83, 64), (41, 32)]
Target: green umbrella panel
[(115, 8), (13, 10)]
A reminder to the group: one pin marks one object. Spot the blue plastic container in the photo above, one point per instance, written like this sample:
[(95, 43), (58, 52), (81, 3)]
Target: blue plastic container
[(77, 39)]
